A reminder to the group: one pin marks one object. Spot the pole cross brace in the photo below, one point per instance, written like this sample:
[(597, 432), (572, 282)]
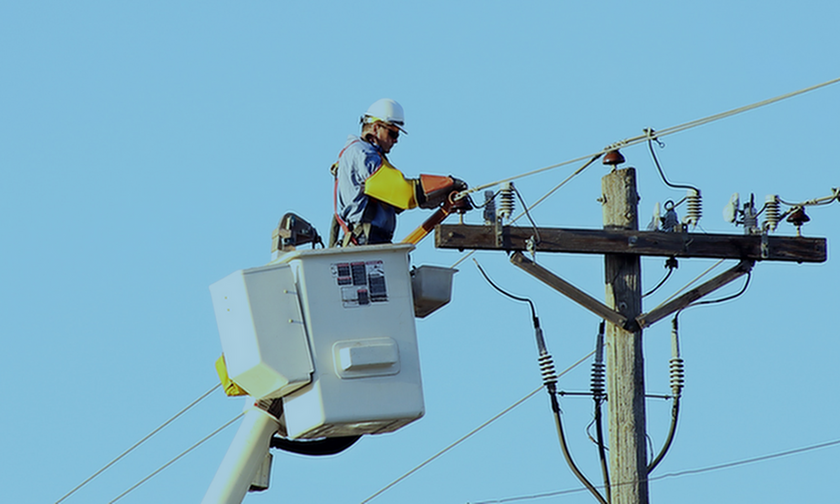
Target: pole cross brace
[(616, 318), (570, 291), (663, 310)]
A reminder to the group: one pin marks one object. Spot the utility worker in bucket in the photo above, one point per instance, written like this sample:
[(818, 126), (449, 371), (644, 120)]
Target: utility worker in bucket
[(369, 192)]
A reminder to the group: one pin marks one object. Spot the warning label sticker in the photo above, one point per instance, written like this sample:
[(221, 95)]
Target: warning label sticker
[(360, 283)]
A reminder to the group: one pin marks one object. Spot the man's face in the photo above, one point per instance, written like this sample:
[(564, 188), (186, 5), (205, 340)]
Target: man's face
[(386, 136)]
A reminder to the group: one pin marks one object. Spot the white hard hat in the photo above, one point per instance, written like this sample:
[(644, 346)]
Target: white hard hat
[(387, 111)]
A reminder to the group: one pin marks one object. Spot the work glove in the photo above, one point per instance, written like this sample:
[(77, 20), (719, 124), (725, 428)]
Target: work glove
[(432, 190), (458, 184)]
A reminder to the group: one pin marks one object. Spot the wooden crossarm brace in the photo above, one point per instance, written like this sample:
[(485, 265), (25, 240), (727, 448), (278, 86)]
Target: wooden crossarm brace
[(662, 311), (568, 290)]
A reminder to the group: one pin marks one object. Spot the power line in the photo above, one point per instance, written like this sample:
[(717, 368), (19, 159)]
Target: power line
[(543, 198), (138, 443), (472, 432), (164, 466), (689, 284), (651, 134), (675, 474), (648, 136)]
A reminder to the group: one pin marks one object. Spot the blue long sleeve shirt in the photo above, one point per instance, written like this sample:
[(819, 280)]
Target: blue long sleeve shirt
[(358, 161)]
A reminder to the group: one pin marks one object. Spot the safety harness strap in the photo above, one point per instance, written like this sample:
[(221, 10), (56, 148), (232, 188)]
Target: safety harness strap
[(348, 234)]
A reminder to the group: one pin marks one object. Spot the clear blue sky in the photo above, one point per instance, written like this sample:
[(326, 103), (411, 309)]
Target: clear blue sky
[(148, 149)]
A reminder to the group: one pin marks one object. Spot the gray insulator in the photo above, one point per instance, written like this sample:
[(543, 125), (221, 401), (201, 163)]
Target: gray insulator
[(695, 207), (506, 201), (671, 221), (750, 220), (489, 208), (597, 387), (771, 203), (677, 375), (547, 369)]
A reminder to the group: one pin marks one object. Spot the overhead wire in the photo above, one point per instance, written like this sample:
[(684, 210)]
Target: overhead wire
[(540, 200), (598, 395), (648, 136), (550, 383), (452, 445), (675, 474), (676, 383), (662, 173), (651, 134), (164, 466), (677, 379), (472, 432), (827, 200), (676, 366), (726, 298), (528, 214), (689, 284), (660, 284), (138, 443)]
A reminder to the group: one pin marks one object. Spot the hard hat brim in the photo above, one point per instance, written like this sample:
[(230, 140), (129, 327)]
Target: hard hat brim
[(369, 119)]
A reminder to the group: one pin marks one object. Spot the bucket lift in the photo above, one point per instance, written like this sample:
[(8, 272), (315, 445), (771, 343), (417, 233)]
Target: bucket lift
[(323, 342)]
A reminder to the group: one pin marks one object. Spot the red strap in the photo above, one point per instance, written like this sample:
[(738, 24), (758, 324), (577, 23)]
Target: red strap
[(345, 147), (337, 218)]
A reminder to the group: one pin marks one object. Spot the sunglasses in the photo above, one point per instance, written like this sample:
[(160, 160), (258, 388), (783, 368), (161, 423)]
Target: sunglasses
[(394, 134)]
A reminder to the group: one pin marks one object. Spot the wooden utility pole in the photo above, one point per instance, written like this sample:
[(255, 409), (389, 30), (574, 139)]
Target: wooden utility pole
[(622, 245), (625, 362)]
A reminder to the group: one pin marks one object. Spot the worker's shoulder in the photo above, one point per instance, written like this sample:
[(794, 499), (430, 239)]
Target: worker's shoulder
[(358, 149)]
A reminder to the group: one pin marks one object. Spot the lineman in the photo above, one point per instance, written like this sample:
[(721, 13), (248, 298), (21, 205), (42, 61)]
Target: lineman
[(369, 192)]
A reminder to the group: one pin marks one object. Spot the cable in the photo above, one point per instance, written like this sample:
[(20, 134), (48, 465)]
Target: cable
[(599, 397), (650, 134), (508, 294), (138, 443), (456, 443), (827, 200), (727, 298), (662, 174), (557, 422), (533, 224), (164, 466), (660, 284), (472, 432), (543, 198), (674, 474), (561, 184), (677, 381), (550, 383), (689, 284), (677, 373)]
